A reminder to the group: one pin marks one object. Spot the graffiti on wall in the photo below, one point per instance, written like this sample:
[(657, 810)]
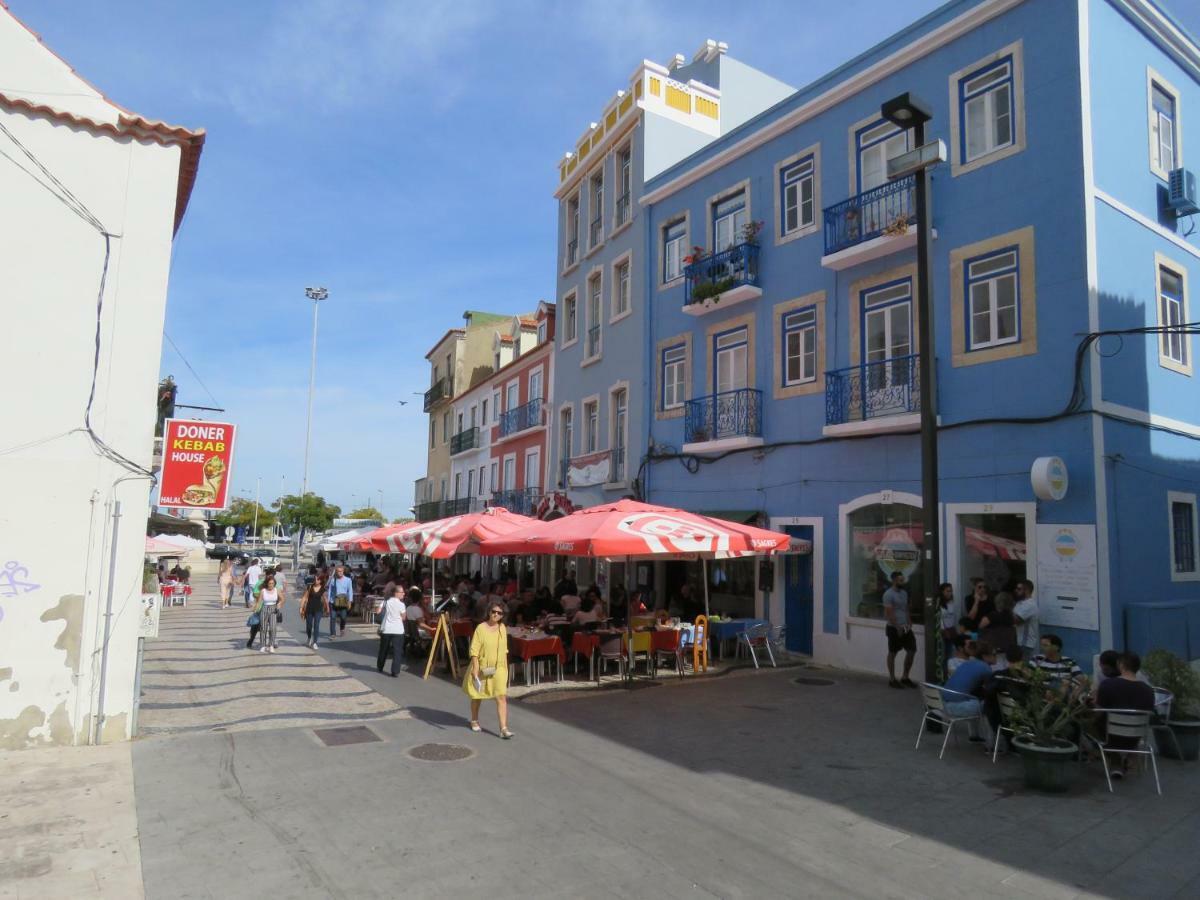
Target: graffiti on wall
[(14, 581)]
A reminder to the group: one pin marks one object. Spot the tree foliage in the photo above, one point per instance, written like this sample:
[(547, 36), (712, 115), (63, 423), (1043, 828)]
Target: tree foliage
[(311, 513), (366, 512), (241, 512)]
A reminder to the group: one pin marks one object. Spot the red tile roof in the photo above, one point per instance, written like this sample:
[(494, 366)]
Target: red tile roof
[(128, 125), (190, 142)]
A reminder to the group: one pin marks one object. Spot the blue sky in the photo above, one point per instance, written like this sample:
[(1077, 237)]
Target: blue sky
[(400, 153)]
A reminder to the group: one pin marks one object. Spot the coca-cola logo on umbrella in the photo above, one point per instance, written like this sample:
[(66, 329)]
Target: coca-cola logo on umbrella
[(667, 534)]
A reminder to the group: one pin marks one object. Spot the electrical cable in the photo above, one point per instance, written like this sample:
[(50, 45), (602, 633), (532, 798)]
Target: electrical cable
[(190, 369)]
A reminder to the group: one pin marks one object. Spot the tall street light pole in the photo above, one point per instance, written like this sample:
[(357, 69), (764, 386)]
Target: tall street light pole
[(316, 295), (257, 498), (909, 111)]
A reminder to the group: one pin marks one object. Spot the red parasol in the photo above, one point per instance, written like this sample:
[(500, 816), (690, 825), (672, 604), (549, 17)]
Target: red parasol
[(443, 538)]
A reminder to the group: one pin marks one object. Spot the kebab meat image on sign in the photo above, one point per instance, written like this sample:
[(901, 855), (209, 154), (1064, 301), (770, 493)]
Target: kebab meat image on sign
[(196, 460)]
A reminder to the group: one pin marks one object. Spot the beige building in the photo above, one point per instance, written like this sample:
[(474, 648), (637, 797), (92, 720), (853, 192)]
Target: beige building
[(461, 359)]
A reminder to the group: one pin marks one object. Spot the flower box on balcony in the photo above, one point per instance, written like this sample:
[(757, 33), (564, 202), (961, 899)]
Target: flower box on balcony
[(724, 278), (875, 223)]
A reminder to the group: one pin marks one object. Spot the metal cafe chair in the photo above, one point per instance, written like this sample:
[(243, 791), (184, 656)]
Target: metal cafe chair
[(1007, 705), (1163, 701), (1126, 723), (754, 638), (612, 649), (935, 711)]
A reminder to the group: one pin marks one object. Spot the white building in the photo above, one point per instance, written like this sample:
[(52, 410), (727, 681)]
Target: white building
[(92, 197)]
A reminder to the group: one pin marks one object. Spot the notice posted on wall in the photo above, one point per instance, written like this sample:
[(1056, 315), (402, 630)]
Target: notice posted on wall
[(1066, 584)]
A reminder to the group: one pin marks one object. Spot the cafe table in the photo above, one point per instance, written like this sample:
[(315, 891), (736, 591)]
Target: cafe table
[(527, 645), (729, 629)]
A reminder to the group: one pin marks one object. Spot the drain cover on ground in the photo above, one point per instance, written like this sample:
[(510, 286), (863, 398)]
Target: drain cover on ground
[(340, 737), (814, 682), (441, 752)]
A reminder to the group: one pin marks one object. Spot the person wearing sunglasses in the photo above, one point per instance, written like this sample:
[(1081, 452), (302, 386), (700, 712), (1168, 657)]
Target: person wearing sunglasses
[(487, 678)]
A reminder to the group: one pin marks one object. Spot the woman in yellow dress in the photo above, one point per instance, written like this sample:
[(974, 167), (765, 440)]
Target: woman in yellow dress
[(488, 675)]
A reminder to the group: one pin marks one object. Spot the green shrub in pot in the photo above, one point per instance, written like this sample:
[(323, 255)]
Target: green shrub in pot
[(1047, 719), (1168, 671)]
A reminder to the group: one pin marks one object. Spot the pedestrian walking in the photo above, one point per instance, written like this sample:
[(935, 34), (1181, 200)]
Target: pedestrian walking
[(488, 675), (225, 582), (254, 573), (254, 621), (391, 632), (313, 606), (270, 611), (341, 595)]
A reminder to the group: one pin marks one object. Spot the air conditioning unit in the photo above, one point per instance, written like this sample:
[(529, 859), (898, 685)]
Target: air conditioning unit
[(1181, 193)]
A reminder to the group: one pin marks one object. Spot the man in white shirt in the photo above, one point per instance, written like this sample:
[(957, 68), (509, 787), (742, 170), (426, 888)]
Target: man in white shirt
[(391, 632), (253, 574), (1025, 617)]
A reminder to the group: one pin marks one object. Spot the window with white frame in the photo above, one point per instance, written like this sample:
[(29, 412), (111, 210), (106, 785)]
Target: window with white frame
[(1185, 539), (673, 251), (483, 487), (511, 396), (445, 427), (624, 186), (483, 411), (566, 433), (495, 482), (570, 318), (596, 228), (432, 432), (495, 406), (877, 143), (674, 366), (593, 316), (731, 354), (796, 190), (620, 414), (591, 426), (535, 385), (541, 332), (800, 346), (1173, 347), (729, 221), (572, 250), (621, 287), (457, 485), (533, 469), (1164, 136), (993, 298), (470, 482), (986, 109), (510, 473)]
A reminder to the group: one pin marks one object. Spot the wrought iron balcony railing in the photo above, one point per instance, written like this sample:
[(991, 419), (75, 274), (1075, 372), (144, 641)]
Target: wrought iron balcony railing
[(467, 439), (717, 273), (728, 414), (521, 500), (442, 389), (428, 511), (890, 387), (441, 509), (528, 415), (622, 211), (887, 209), (593, 341), (616, 470), (572, 251), (595, 230)]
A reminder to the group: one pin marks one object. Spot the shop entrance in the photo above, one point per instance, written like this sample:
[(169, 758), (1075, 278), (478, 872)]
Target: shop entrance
[(798, 593)]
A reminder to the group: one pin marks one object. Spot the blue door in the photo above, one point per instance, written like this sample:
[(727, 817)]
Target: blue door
[(798, 593)]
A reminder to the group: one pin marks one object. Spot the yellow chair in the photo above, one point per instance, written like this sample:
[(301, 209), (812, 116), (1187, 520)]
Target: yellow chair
[(640, 643), (700, 644)]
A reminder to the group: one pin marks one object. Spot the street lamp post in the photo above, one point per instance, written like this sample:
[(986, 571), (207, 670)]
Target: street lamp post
[(909, 111), (257, 496), (316, 295)]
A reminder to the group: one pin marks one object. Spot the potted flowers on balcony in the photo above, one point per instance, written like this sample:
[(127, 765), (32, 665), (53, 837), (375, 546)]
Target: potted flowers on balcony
[(1048, 717), (1168, 671)]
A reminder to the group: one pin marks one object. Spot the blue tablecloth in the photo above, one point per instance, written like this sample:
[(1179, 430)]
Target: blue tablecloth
[(729, 629)]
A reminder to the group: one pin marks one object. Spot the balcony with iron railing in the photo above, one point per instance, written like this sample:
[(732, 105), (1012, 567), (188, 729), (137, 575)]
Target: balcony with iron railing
[(468, 439), (886, 394), (722, 279), (723, 421), (872, 224), (622, 211), (595, 231), (572, 252), (443, 389), (593, 342), (527, 415), (429, 510), (523, 501), (441, 509)]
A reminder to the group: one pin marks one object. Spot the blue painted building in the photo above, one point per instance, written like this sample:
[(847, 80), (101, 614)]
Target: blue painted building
[(598, 427), (780, 359)]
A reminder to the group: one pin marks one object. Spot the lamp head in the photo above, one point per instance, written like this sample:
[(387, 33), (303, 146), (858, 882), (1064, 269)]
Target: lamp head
[(906, 110), (316, 293)]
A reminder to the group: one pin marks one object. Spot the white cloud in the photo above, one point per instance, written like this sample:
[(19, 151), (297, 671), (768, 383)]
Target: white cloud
[(333, 55)]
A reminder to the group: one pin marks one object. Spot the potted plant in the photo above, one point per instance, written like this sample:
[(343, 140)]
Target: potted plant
[(1166, 670), (1046, 718)]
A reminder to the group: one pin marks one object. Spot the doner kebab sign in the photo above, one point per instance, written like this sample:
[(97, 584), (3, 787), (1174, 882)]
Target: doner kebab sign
[(197, 457)]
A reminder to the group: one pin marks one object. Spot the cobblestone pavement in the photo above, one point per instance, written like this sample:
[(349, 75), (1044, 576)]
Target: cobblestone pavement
[(199, 676)]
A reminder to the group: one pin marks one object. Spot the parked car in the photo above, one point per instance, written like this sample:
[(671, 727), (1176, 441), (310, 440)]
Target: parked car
[(222, 551)]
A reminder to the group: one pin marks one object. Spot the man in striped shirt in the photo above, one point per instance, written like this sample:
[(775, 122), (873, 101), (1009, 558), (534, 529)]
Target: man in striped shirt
[(1053, 663)]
